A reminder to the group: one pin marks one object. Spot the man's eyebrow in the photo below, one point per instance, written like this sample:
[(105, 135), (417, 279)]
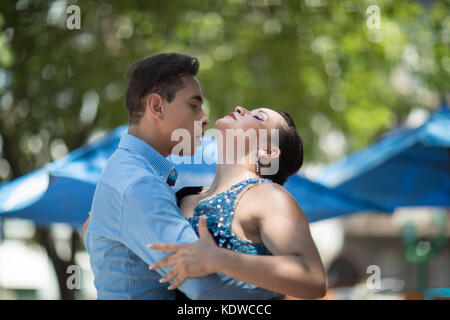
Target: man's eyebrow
[(197, 97)]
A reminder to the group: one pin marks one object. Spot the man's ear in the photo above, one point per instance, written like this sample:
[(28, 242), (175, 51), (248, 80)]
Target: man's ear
[(154, 105), (267, 155)]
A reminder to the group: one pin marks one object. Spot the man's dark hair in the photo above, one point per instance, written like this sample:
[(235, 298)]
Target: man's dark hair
[(291, 147), (160, 74)]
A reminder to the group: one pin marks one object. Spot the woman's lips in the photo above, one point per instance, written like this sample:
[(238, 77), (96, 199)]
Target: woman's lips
[(231, 114)]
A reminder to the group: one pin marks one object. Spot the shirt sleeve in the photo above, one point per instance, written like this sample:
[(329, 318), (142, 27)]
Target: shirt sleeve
[(150, 215)]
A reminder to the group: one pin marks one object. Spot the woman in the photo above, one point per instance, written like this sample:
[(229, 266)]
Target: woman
[(259, 233)]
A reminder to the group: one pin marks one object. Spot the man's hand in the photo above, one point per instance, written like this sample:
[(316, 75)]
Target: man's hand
[(193, 260)]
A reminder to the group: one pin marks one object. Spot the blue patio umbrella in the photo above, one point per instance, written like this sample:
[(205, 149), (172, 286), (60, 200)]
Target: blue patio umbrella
[(407, 167), (319, 202), (62, 191)]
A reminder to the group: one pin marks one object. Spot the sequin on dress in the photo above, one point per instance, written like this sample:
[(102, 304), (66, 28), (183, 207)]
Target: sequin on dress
[(219, 210)]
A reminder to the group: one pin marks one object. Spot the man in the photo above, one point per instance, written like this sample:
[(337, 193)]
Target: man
[(134, 204)]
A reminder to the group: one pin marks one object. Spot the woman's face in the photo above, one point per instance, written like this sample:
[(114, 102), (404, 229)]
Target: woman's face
[(241, 118), (248, 131)]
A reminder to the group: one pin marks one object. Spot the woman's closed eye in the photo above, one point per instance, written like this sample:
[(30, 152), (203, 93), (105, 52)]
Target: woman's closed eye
[(259, 118)]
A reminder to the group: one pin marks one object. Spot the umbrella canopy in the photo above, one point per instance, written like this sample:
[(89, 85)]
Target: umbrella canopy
[(407, 167), (319, 202), (62, 191)]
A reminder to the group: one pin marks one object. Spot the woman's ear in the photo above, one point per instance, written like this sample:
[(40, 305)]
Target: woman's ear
[(154, 105), (266, 156)]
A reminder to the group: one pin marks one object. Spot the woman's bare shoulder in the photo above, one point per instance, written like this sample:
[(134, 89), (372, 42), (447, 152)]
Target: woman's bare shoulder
[(268, 191), (266, 197)]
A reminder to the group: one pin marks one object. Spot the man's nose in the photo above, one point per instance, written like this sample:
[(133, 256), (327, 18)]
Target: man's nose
[(205, 120)]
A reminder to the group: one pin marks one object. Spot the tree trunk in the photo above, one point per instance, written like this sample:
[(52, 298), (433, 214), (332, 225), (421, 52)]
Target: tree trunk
[(45, 239)]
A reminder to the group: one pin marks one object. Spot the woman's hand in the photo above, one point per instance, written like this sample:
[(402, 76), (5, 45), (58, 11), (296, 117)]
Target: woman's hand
[(193, 260)]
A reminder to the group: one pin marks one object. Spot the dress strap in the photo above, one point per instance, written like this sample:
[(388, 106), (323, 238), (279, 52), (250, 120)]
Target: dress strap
[(239, 187), (237, 190)]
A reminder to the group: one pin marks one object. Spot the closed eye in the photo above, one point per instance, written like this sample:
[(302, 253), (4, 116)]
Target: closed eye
[(259, 118)]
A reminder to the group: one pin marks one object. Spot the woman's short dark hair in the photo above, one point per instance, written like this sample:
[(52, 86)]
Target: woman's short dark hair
[(160, 74), (291, 147)]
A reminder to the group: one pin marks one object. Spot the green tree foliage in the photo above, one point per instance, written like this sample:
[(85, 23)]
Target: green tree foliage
[(343, 82)]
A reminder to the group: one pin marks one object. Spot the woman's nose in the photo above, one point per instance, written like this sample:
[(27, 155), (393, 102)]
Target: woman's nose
[(240, 110)]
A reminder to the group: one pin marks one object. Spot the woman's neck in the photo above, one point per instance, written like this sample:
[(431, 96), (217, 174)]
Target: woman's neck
[(228, 175)]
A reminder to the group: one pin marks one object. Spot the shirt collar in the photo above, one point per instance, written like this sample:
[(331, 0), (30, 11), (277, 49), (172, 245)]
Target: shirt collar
[(163, 166)]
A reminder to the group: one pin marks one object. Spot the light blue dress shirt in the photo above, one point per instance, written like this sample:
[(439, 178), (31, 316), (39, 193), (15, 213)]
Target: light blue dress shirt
[(134, 206)]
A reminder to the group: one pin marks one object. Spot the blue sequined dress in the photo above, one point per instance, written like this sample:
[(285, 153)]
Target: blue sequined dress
[(219, 210)]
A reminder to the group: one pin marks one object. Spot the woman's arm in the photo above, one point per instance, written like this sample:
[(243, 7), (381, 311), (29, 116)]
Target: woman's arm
[(295, 267)]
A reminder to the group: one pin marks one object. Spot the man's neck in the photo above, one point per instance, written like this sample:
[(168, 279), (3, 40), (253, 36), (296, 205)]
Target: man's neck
[(153, 140)]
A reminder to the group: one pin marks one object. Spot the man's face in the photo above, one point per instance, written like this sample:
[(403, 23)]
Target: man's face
[(183, 111)]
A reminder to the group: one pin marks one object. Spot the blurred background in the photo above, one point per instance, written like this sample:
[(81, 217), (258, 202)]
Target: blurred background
[(347, 71)]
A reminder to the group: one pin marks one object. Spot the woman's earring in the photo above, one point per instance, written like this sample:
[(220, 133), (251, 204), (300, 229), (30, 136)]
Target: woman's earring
[(257, 166)]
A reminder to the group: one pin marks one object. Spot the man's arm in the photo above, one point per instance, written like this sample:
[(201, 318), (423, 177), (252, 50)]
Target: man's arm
[(150, 215)]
